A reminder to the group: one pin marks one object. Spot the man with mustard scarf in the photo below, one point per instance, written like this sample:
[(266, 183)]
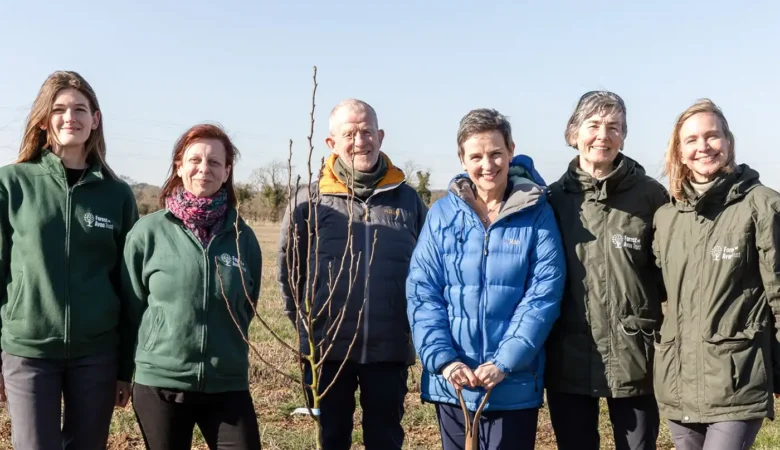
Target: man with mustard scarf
[(360, 179)]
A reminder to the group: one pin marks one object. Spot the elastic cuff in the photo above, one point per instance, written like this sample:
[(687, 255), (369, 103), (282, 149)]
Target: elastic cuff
[(440, 369), (504, 369)]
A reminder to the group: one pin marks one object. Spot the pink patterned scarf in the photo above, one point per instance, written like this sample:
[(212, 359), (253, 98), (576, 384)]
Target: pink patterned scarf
[(202, 215)]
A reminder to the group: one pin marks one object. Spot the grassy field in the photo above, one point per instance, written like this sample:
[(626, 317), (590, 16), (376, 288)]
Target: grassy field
[(275, 398)]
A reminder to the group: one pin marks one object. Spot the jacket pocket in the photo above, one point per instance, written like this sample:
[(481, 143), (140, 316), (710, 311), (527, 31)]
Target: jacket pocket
[(734, 369), (635, 350), (14, 296), (666, 372), (154, 330)]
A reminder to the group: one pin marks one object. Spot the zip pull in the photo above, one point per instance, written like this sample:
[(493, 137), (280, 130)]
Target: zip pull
[(368, 213), (487, 236)]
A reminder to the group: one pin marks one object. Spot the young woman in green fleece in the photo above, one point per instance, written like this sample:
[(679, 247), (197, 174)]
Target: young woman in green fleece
[(189, 282), (63, 221)]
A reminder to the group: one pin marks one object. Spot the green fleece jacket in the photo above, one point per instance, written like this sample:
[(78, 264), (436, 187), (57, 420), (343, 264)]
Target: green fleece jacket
[(60, 252), (184, 299)]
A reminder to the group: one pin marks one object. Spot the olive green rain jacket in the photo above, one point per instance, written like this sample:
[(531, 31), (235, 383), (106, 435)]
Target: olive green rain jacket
[(602, 345), (717, 355)]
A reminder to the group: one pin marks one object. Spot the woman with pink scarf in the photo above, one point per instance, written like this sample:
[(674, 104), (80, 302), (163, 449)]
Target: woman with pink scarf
[(191, 286)]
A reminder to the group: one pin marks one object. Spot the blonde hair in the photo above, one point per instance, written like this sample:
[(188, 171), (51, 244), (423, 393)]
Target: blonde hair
[(36, 138), (674, 168)]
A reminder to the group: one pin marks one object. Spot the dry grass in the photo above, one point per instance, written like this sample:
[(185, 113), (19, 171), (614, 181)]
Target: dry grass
[(275, 397)]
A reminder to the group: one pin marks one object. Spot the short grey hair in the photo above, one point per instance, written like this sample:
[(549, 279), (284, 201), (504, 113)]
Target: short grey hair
[(353, 105), (595, 102), (483, 120)]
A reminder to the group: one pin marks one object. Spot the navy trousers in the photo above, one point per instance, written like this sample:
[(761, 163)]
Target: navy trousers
[(498, 430), (382, 391)]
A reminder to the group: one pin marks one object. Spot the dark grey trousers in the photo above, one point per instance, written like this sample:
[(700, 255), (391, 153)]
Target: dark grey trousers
[(732, 435), (36, 389), (575, 420)]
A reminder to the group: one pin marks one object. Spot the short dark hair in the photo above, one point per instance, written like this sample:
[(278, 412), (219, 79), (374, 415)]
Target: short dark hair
[(481, 121)]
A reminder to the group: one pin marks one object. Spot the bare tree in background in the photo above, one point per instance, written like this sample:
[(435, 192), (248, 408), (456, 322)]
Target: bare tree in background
[(304, 270), (270, 182), (410, 168)]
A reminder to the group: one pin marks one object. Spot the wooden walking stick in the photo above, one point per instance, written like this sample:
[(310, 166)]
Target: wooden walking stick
[(472, 427)]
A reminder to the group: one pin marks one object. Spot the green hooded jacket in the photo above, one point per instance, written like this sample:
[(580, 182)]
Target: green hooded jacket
[(718, 351), (602, 345)]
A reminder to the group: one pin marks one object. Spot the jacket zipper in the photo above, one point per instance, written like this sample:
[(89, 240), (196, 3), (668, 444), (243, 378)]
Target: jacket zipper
[(610, 304), (68, 214), (366, 259), (699, 353), (483, 303), (203, 337)]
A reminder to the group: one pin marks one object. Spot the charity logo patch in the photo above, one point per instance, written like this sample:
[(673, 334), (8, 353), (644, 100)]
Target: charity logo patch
[(226, 259), (625, 241), (720, 253), (231, 261), (95, 221)]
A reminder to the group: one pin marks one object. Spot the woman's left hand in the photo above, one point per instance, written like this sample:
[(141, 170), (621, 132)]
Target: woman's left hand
[(489, 375), (123, 390)]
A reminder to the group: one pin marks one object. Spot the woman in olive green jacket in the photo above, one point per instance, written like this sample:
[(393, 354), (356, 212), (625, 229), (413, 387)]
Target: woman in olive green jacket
[(602, 345), (715, 362)]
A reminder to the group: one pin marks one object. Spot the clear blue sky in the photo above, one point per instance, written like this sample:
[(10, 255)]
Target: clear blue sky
[(160, 66)]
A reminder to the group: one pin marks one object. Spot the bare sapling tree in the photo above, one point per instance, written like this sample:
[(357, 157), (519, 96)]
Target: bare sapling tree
[(303, 270)]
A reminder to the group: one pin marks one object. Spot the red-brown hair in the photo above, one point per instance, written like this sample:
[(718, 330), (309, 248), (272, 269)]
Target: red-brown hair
[(196, 133)]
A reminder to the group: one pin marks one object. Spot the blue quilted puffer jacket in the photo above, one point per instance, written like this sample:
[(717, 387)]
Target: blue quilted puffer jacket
[(478, 295)]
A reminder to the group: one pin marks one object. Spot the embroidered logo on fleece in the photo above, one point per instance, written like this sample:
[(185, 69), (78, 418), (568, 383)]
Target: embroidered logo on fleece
[(625, 241), (95, 221)]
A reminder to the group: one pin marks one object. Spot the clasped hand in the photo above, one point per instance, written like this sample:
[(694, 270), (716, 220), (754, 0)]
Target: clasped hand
[(459, 375)]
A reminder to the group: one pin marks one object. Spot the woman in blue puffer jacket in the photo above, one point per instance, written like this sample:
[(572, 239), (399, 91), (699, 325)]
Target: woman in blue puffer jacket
[(484, 289)]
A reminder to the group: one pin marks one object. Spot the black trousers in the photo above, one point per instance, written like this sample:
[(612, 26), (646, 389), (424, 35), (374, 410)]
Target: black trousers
[(168, 418), (575, 421), (382, 392)]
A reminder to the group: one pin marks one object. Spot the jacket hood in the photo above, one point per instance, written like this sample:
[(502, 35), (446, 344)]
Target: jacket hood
[(728, 188), (331, 184), (525, 186), (627, 174)]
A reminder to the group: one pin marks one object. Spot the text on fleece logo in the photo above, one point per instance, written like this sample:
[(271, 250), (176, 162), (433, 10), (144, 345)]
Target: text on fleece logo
[(94, 221), (720, 253), (231, 261), (624, 241)]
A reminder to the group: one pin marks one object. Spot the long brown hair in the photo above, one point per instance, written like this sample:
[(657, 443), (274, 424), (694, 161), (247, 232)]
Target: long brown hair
[(36, 138), (198, 132), (677, 172)]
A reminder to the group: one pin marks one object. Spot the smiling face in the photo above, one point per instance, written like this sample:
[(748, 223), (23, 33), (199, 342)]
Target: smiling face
[(203, 167), (72, 119), (599, 139), (486, 160), (704, 147), (355, 134)]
